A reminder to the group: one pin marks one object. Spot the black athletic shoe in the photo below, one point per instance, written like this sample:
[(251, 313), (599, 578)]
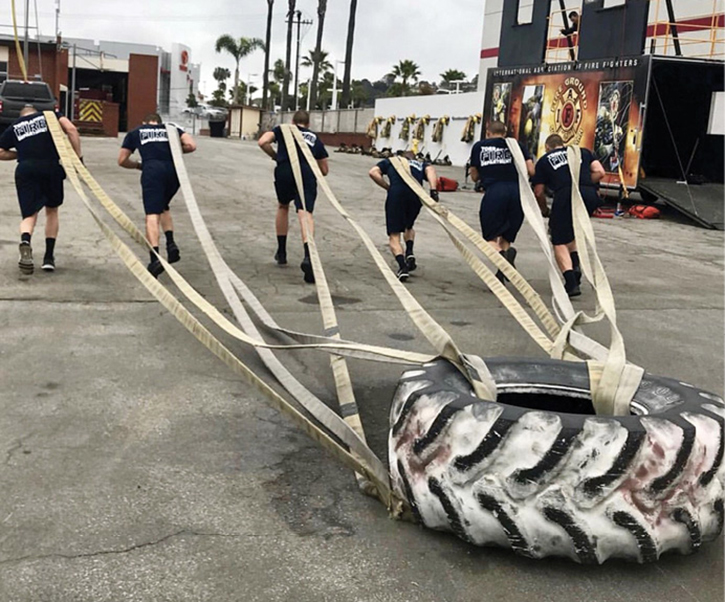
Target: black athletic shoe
[(578, 274), (155, 268), (574, 291), (410, 263), (25, 263), (48, 264), (306, 267), (501, 278), (402, 274), (172, 252), (280, 258)]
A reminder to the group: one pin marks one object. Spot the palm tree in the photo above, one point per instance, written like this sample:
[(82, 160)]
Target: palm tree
[(288, 53), (452, 75), (238, 49), (278, 72), (406, 70), (321, 10), (345, 100), (321, 61), (267, 44)]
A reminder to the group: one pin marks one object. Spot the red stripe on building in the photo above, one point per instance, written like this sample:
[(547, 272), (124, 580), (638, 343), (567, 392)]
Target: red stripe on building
[(688, 25)]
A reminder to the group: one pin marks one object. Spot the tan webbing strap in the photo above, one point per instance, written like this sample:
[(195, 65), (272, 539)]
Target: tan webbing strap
[(473, 369), (204, 336), (343, 384), (569, 338), (614, 389)]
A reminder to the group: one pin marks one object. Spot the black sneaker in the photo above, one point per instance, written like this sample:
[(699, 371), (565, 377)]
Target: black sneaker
[(25, 263), (172, 252), (155, 268), (281, 257), (578, 274), (48, 264), (306, 267), (501, 278), (574, 291), (410, 263), (402, 274)]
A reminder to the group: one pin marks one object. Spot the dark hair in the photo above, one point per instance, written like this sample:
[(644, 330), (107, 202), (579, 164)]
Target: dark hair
[(554, 141), (573, 14), (152, 117), (497, 128), (301, 118)]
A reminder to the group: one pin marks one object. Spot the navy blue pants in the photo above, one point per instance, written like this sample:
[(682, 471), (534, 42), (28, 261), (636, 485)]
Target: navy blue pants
[(500, 212), (39, 184), (159, 184), (286, 187), (561, 227)]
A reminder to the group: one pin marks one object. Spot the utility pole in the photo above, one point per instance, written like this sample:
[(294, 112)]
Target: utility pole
[(57, 19), (300, 23), (73, 87), (25, 48)]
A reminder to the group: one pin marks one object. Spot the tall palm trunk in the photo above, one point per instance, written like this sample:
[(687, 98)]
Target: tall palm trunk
[(288, 55), (236, 81), (321, 10), (348, 55), (267, 43)]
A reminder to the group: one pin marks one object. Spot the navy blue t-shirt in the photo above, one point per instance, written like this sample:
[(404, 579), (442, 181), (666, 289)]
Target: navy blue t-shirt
[(417, 170), (30, 137), (151, 141), (316, 147), (492, 158), (552, 170)]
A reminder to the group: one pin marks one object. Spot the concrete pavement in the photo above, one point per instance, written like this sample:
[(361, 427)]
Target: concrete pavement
[(135, 466)]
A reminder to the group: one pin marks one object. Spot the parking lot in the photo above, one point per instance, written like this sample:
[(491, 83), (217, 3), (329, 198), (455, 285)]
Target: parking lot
[(135, 466)]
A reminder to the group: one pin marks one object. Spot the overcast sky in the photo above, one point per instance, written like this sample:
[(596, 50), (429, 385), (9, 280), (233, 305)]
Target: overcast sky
[(436, 34)]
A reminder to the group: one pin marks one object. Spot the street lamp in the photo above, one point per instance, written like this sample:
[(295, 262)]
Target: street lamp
[(334, 86)]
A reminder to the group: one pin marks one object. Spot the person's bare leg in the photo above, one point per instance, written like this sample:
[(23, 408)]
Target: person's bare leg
[(409, 238), (166, 222), (281, 221), (152, 229), (28, 224), (503, 244), (52, 223), (395, 247), (563, 258)]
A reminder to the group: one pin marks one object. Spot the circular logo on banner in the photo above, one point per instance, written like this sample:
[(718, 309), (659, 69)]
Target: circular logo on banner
[(184, 57), (568, 107)]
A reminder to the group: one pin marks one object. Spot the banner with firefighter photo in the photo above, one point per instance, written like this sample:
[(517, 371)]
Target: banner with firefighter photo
[(598, 105)]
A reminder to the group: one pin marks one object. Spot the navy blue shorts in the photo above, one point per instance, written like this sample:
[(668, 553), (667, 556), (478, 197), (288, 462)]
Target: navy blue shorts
[(159, 184), (501, 213), (401, 210), (39, 184), (561, 227), (286, 188)]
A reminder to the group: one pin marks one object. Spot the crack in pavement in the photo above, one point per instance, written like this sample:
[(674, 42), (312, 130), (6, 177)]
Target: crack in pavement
[(132, 548), (18, 445)]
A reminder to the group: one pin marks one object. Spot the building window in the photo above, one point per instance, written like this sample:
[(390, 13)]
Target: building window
[(526, 12), (3, 71), (612, 3)]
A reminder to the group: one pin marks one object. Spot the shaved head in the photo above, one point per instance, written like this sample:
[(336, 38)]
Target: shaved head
[(27, 110)]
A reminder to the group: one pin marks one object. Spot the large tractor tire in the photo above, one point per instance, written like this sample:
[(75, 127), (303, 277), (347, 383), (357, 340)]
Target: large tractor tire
[(540, 473)]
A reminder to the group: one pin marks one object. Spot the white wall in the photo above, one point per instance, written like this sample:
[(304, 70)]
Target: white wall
[(457, 106)]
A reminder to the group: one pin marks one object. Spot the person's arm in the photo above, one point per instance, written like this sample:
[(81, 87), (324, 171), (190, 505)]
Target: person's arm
[(473, 173), (323, 165), (540, 194), (597, 171), (125, 160), (73, 136), (7, 155), (530, 168), (188, 145), (265, 143), (432, 177), (377, 176)]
